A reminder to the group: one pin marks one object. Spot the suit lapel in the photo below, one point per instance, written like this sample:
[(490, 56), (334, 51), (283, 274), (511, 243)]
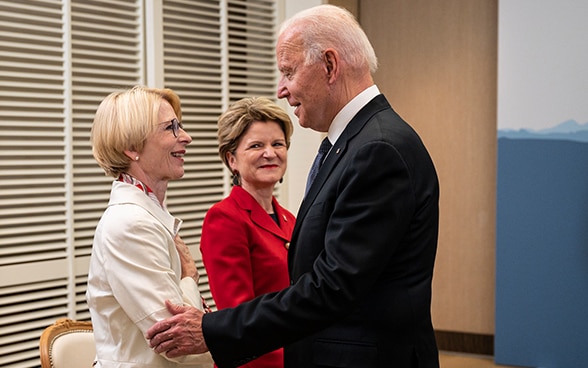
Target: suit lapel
[(258, 214), (263, 220), (339, 149)]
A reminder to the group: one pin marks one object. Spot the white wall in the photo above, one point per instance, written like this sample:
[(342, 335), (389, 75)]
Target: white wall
[(305, 142), (542, 78)]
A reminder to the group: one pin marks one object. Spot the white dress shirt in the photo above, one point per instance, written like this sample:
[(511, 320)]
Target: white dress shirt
[(349, 111)]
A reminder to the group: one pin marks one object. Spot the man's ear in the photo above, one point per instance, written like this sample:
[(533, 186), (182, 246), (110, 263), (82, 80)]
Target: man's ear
[(331, 60)]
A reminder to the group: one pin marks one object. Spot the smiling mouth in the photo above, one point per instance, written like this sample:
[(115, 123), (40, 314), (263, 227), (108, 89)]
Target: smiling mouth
[(177, 154)]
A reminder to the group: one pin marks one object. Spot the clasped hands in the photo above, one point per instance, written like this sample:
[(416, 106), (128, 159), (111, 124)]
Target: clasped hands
[(180, 334)]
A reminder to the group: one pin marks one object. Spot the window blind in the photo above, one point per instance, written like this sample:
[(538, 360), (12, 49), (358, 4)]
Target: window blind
[(106, 55), (193, 69), (251, 39), (33, 187), (58, 60)]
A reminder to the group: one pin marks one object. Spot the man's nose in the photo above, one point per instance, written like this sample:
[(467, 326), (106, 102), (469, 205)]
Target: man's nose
[(282, 90)]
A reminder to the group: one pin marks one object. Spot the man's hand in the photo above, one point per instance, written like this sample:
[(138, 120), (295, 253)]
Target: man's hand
[(180, 334)]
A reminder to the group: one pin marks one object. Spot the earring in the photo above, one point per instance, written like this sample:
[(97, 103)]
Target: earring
[(136, 158), (236, 179)]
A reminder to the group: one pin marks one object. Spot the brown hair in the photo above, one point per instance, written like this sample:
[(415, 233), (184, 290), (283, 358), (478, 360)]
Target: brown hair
[(234, 122)]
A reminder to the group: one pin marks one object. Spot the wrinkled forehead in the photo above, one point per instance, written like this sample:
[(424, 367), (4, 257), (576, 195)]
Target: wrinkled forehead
[(289, 50), (290, 39)]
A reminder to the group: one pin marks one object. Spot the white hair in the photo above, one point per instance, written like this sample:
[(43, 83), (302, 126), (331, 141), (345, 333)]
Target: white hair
[(329, 26)]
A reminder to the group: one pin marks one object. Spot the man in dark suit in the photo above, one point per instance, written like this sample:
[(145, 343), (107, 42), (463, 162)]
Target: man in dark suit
[(363, 248)]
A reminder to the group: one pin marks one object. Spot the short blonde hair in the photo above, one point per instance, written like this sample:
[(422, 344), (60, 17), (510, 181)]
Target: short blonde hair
[(123, 121), (234, 122)]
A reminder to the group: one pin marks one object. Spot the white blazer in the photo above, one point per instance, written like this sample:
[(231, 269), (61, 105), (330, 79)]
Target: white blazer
[(134, 268)]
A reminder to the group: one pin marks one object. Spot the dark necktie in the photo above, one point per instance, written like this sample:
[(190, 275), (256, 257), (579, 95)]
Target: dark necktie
[(318, 161)]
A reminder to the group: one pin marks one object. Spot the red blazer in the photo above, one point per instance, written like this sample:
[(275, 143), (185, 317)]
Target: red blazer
[(245, 254)]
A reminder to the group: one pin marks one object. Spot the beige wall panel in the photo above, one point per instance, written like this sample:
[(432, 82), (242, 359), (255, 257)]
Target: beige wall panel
[(351, 5), (438, 69)]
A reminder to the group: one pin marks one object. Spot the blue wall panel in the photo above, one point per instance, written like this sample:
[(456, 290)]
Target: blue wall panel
[(542, 253)]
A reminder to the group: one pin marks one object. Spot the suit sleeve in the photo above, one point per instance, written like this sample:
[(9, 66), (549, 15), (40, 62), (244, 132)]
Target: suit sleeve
[(360, 222)]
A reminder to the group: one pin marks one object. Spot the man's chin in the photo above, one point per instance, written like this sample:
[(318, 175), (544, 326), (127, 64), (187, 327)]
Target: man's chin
[(303, 123)]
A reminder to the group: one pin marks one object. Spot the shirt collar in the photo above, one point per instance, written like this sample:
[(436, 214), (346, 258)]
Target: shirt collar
[(127, 178), (348, 111)]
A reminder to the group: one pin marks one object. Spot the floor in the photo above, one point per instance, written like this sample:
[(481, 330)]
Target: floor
[(458, 360)]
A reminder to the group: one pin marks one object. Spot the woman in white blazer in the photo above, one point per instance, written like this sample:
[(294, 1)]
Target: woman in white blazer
[(138, 259)]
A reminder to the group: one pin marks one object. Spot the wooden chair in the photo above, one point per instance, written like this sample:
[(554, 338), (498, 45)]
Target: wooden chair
[(67, 344)]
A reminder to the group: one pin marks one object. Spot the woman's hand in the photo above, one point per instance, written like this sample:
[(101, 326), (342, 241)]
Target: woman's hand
[(188, 266)]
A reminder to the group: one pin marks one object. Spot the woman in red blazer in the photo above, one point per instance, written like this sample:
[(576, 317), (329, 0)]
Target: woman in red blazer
[(245, 237)]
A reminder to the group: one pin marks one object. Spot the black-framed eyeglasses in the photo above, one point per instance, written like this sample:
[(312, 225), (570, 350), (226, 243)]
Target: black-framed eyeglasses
[(174, 126)]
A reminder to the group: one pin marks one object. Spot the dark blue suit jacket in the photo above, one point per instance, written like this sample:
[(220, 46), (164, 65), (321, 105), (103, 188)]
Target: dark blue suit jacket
[(360, 261)]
